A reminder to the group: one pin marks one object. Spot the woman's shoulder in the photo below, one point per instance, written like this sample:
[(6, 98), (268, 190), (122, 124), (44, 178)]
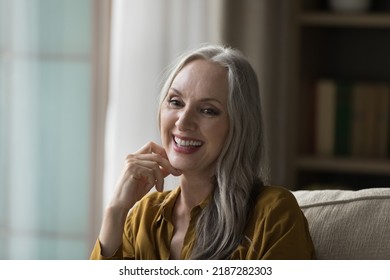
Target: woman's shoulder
[(275, 205), (277, 191), (275, 196)]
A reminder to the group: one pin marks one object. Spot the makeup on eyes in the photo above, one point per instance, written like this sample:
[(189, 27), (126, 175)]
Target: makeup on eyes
[(175, 99)]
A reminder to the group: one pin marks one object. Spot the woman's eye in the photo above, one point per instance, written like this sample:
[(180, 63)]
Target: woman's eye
[(210, 112), (174, 102)]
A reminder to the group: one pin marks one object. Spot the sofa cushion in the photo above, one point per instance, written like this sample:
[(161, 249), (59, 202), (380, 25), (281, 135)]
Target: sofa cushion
[(348, 224)]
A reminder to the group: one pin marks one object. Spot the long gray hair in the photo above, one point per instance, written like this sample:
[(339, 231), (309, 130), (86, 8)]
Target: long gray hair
[(240, 167)]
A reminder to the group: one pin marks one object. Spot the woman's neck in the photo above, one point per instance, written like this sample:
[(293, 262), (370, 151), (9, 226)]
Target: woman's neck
[(194, 190)]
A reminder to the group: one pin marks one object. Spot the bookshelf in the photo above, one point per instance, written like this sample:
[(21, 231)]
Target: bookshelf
[(352, 50)]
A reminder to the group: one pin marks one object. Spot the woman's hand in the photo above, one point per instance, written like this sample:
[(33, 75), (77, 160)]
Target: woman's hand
[(144, 169)]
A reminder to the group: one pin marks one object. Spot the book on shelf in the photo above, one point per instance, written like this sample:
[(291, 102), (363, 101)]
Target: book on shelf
[(383, 120), (352, 119), (325, 100), (343, 119), (370, 120)]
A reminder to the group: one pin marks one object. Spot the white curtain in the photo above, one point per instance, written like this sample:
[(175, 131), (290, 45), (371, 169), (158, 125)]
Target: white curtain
[(146, 37)]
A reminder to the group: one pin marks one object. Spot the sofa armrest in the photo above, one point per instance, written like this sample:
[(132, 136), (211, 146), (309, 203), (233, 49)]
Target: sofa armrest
[(348, 224)]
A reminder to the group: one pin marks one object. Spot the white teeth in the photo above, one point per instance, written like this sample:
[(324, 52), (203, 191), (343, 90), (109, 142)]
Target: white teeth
[(187, 143)]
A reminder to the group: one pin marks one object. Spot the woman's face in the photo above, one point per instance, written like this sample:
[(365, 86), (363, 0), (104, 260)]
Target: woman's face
[(194, 118)]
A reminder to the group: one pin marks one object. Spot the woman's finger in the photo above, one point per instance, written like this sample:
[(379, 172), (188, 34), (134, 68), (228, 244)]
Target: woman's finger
[(152, 147), (157, 172), (167, 168)]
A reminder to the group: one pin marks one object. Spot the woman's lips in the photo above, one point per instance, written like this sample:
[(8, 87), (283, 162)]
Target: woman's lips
[(186, 145)]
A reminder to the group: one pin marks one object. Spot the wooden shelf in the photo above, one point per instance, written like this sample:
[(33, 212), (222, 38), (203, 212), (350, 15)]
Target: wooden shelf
[(350, 165), (349, 47), (361, 20)]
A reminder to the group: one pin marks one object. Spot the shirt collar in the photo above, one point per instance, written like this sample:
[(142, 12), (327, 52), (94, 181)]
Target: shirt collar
[(169, 202)]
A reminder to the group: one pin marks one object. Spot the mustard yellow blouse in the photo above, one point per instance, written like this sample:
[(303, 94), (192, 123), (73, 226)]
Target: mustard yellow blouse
[(277, 229)]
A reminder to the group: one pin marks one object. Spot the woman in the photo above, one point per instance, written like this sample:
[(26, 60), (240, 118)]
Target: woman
[(212, 137)]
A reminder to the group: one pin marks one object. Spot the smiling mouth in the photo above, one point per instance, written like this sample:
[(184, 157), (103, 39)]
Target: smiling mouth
[(187, 143)]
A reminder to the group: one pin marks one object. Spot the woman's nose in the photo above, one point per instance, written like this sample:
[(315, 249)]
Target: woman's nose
[(186, 120)]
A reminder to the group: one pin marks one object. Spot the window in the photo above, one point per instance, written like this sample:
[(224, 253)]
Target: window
[(52, 102)]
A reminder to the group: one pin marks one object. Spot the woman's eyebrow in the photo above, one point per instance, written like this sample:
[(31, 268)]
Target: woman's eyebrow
[(176, 91), (206, 99)]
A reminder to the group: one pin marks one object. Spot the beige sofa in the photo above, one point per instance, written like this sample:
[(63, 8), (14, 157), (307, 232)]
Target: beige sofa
[(348, 224)]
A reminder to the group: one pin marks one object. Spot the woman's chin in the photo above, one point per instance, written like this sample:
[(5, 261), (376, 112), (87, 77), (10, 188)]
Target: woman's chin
[(183, 167)]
